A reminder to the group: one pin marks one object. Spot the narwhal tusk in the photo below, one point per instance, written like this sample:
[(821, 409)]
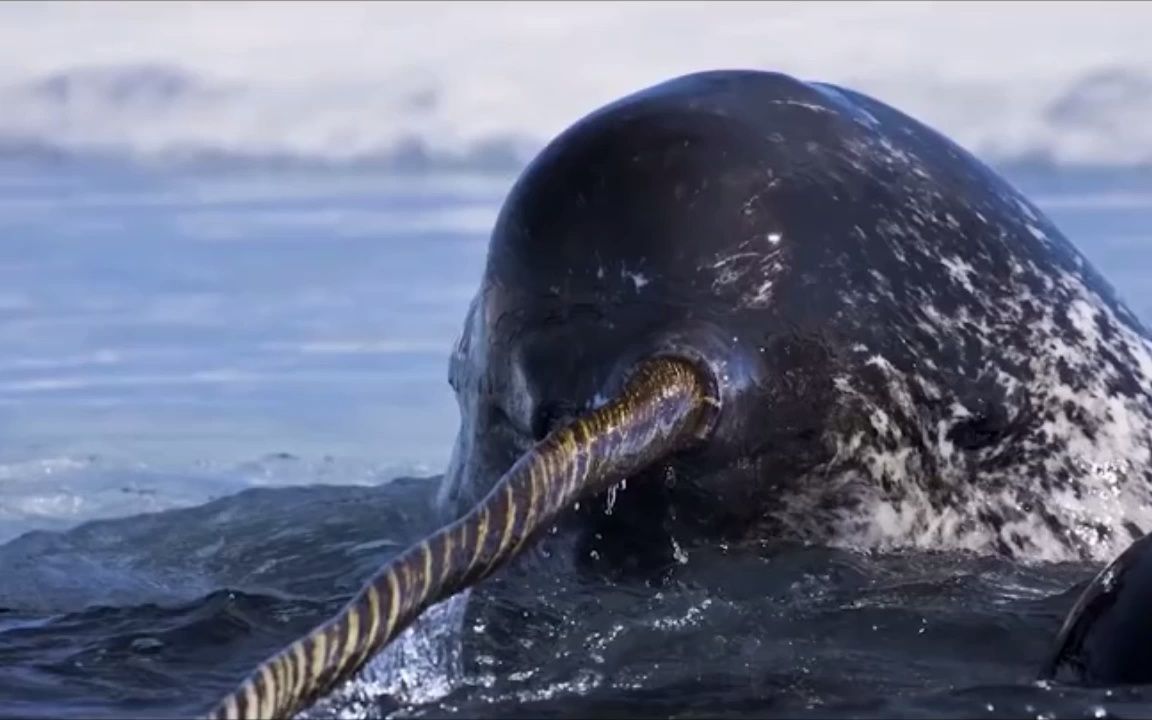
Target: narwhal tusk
[(665, 405)]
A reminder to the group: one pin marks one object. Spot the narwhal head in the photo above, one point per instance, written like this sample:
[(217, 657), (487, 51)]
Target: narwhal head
[(641, 233)]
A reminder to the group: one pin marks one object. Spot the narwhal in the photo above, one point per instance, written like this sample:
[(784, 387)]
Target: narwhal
[(773, 308)]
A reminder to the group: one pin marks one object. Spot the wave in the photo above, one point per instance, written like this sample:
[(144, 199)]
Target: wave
[(171, 116), (288, 541), (174, 607), (55, 494)]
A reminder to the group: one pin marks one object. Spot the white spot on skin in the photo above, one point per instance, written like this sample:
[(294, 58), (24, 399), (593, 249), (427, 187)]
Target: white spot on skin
[(678, 553), (1026, 209), (959, 269), (751, 274), (638, 279), (774, 238), (762, 296), (731, 268), (1083, 318), (860, 114), (806, 106)]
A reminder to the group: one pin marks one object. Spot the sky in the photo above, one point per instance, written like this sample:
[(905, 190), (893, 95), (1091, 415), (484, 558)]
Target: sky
[(332, 79)]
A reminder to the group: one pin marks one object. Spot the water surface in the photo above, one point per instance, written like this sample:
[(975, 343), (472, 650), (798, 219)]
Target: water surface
[(250, 359)]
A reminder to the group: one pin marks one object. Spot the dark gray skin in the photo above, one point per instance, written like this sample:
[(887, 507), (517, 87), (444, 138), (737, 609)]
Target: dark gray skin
[(909, 353), (1105, 638)]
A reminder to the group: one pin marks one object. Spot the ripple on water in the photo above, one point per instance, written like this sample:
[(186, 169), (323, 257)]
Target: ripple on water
[(158, 615)]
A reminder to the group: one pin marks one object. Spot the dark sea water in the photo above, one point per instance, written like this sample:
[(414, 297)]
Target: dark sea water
[(208, 384)]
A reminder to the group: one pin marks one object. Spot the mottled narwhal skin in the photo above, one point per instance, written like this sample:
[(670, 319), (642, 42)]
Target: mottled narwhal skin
[(909, 352)]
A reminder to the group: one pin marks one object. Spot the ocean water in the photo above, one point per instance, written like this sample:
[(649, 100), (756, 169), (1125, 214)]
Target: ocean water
[(209, 381), (165, 335)]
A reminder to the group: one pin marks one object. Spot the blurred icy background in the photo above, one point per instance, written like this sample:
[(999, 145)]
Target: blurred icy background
[(483, 84), (238, 240)]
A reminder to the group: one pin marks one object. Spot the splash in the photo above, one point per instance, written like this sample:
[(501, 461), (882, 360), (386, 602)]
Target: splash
[(423, 665)]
